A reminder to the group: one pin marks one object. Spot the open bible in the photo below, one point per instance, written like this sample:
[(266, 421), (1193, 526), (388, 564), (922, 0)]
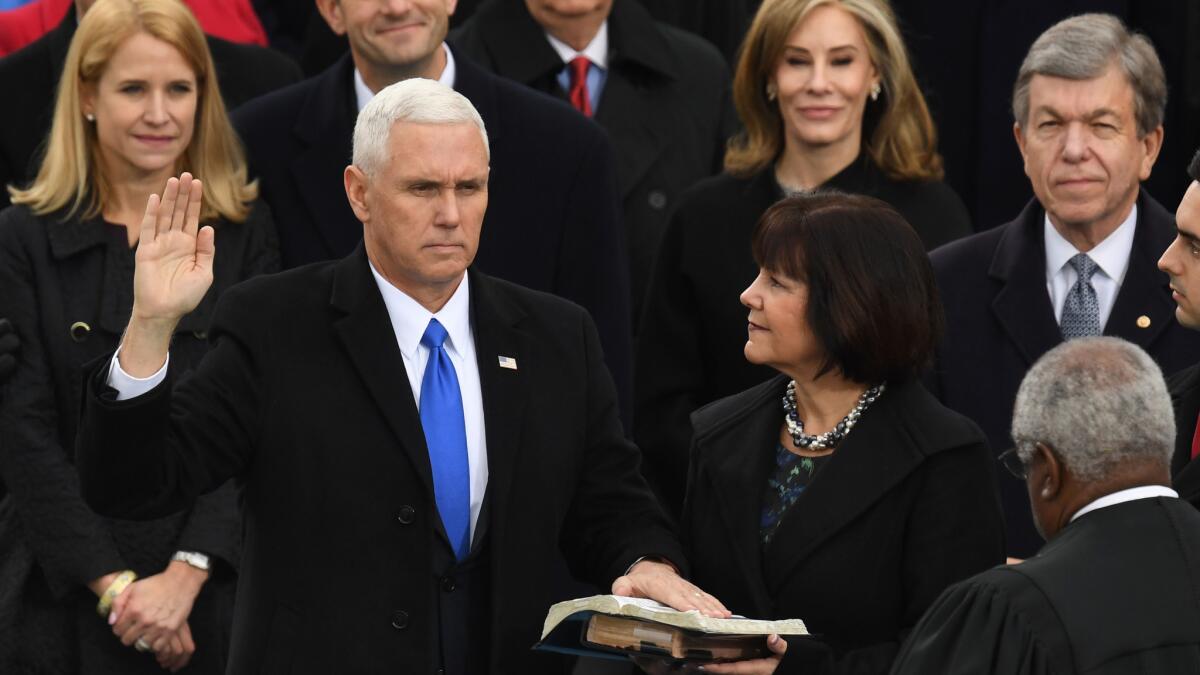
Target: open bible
[(613, 626)]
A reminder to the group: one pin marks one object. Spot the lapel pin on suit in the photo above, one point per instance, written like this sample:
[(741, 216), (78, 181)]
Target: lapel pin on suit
[(1143, 321), (507, 362)]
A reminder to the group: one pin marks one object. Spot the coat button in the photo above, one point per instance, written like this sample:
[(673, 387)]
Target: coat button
[(200, 334), (79, 331), (448, 584), (399, 619), (657, 200), (407, 515)]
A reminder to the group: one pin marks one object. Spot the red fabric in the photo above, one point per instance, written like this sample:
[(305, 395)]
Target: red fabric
[(579, 90), (1196, 441), (232, 20)]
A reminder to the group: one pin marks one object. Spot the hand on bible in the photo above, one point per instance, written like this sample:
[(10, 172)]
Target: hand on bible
[(660, 582), (174, 254)]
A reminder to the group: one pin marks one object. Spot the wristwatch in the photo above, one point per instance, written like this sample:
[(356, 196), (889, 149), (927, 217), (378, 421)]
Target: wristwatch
[(197, 560)]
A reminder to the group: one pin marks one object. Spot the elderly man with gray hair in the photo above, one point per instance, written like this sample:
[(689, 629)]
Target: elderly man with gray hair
[(1080, 259), (1114, 588), (418, 441)]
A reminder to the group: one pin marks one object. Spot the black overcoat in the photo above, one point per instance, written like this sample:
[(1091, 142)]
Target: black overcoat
[(1185, 395)]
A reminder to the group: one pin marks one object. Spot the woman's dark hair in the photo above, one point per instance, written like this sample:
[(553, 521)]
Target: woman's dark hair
[(1194, 167), (872, 300)]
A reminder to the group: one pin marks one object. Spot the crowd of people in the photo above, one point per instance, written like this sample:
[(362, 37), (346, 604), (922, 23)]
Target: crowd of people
[(362, 372)]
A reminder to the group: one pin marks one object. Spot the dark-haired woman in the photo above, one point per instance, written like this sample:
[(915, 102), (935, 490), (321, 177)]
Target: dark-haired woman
[(828, 99), (840, 491)]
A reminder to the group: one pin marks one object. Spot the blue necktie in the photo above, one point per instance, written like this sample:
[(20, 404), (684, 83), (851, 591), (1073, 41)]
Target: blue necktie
[(1081, 310), (446, 435)]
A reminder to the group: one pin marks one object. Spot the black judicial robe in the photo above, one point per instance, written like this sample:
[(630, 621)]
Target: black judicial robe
[(1114, 592)]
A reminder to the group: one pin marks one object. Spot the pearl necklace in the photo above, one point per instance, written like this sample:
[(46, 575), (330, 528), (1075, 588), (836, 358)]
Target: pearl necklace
[(829, 439)]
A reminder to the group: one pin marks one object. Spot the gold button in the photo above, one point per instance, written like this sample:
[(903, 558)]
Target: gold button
[(1143, 321), (79, 331)]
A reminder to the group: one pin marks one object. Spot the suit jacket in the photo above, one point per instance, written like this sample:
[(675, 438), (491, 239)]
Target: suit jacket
[(665, 104), (305, 398), (68, 288), (1113, 593), (1185, 395), (243, 72), (904, 508), (551, 221), (689, 346), (999, 321)]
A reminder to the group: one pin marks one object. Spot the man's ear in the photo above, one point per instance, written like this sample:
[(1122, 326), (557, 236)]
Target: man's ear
[(331, 11), (1050, 478), (356, 192)]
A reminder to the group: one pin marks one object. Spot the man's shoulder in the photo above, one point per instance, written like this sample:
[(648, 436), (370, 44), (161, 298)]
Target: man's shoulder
[(276, 112), (970, 254), (293, 291)]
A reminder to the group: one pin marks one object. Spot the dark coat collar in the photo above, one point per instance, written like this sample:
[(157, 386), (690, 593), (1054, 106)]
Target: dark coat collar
[(1185, 395), (1022, 306), (520, 51), (734, 437), (69, 236)]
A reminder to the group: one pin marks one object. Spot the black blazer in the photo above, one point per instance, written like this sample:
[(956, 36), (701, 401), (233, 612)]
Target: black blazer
[(1185, 395), (1113, 593), (665, 104), (68, 288), (689, 345), (999, 321), (243, 72), (904, 508), (551, 222), (305, 398)]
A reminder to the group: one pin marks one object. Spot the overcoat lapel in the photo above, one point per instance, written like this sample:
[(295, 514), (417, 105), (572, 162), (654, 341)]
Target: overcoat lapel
[(326, 126), (878, 455), (1185, 395), (1144, 293), (365, 331), (739, 478), (494, 321), (1022, 306)]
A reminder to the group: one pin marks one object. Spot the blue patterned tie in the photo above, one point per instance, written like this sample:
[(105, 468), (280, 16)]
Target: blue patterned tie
[(446, 435), (1081, 311)]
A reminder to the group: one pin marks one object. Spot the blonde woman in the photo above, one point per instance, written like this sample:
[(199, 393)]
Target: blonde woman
[(828, 100), (138, 103)]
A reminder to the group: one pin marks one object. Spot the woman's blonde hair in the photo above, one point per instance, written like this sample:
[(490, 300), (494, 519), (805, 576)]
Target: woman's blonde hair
[(70, 176), (898, 132)]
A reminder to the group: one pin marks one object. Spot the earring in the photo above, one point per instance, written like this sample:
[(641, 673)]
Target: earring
[(89, 117), (875, 89), (772, 92)]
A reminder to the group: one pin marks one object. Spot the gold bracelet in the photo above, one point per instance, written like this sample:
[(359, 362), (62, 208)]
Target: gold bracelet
[(114, 589)]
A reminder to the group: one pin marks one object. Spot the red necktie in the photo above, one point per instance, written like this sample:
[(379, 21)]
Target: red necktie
[(1196, 441), (579, 89)]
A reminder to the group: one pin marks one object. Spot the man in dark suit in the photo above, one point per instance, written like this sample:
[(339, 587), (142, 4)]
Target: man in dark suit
[(553, 223), (662, 94), (1114, 588), (1080, 258), (243, 71), (417, 440), (1181, 261)]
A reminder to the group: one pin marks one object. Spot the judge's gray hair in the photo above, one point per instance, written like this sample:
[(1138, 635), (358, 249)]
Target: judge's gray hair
[(1101, 403), (1082, 48), (415, 100)]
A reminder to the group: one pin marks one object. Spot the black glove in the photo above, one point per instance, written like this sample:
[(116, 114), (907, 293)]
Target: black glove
[(8, 349)]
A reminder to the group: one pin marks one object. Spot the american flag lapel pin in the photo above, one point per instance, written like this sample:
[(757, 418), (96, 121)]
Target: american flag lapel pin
[(507, 362)]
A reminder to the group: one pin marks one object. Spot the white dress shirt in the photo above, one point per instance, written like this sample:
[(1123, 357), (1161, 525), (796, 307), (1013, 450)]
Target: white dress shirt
[(409, 320), (1111, 257), (1128, 495), (363, 93)]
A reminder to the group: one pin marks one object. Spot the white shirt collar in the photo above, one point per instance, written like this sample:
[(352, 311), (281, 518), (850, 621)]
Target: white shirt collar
[(1110, 255), (363, 93), (410, 319), (596, 51), (1127, 495)]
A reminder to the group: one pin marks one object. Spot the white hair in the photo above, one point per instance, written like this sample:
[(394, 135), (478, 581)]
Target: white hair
[(1101, 403), (415, 100)]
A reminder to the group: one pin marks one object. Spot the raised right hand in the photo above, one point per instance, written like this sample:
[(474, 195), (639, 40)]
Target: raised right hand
[(174, 254)]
